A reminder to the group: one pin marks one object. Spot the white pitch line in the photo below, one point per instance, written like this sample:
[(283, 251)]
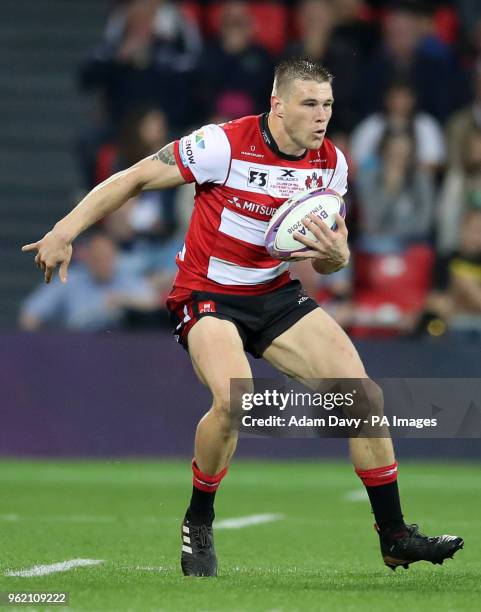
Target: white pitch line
[(79, 518), (143, 568), (247, 521), (53, 568), (358, 495), (9, 517), (70, 518)]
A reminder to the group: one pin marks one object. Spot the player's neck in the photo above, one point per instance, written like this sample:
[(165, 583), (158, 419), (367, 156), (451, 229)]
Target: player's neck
[(282, 138)]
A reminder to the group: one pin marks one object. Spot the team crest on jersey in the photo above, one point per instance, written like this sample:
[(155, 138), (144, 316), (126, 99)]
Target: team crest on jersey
[(313, 181)]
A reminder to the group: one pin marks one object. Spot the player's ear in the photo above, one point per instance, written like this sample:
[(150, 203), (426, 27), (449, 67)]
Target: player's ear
[(277, 106)]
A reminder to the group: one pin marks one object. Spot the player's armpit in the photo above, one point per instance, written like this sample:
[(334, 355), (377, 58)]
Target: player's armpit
[(160, 171)]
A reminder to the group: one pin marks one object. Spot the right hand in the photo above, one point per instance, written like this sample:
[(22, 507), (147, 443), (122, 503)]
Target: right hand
[(52, 251)]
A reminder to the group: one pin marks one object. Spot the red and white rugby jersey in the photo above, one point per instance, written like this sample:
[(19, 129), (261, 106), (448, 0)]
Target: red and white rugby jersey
[(241, 179)]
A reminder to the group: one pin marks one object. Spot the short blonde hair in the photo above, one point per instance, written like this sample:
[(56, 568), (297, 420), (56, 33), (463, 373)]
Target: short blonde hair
[(298, 68)]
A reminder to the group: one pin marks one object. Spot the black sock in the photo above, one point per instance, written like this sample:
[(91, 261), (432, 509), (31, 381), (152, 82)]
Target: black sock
[(386, 505), (201, 508)]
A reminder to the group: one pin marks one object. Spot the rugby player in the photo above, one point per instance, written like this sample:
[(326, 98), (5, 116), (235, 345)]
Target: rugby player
[(230, 296)]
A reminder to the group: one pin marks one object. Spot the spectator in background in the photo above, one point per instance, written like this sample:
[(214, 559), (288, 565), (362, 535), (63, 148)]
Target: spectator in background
[(356, 27), (430, 41), (395, 195), (232, 105), (470, 15), (233, 66), (97, 297), (461, 189), (400, 113), (315, 21), (456, 298), (405, 53), (146, 226), (465, 121), (148, 57)]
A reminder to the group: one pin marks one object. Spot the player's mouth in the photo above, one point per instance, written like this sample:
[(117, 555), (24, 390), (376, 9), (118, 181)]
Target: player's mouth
[(320, 133)]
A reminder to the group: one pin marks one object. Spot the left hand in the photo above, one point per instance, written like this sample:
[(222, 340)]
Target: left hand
[(330, 246), (52, 250)]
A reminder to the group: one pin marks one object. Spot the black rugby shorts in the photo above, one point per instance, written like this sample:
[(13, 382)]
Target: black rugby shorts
[(258, 318)]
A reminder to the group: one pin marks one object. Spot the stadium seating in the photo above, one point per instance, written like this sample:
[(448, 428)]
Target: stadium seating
[(270, 23), (388, 287), (41, 112)]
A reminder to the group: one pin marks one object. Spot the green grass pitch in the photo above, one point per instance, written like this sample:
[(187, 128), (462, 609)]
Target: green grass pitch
[(322, 555)]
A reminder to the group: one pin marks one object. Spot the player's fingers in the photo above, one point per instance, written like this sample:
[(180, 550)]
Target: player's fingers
[(305, 241), (318, 221), (39, 263), (48, 273), (304, 254), (63, 271), (341, 224), (323, 229), (30, 247), (318, 229)]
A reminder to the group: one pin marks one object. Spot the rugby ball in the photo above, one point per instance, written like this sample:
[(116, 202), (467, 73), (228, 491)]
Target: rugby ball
[(325, 203)]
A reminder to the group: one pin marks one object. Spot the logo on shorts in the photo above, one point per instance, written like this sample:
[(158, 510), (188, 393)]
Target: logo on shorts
[(207, 306)]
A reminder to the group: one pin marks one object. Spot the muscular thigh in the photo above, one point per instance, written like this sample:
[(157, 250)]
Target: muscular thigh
[(315, 347), (217, 354)]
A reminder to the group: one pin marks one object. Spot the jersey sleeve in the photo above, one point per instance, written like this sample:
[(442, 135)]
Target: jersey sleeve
[(339, 178), (204, 156)]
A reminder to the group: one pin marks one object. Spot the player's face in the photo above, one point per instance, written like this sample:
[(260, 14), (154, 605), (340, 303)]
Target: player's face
[(306, 111)]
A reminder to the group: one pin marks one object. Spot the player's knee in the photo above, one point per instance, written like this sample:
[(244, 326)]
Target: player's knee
[(375, 397), (221, 403), (369, 399), (228, 401)]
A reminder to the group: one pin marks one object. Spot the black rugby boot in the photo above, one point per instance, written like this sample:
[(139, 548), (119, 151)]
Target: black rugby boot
[(409, 545), (198, 555)]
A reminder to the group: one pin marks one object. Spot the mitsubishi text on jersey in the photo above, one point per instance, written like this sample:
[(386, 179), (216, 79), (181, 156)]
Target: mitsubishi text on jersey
[(241, 180)]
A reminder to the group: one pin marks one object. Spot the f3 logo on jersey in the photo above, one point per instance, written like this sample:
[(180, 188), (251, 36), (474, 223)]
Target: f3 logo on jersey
[(257, 177)]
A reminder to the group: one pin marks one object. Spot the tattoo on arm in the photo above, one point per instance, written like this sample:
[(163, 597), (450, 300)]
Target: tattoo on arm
[(166, 155)]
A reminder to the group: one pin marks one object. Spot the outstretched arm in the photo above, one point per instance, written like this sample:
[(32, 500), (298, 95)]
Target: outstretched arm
[(55, 249)]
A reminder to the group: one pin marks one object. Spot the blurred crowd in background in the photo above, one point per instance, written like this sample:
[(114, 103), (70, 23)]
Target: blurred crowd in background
[(407, 115)]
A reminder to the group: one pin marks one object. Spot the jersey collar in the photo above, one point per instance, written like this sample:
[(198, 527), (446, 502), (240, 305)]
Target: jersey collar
[(272, 144)]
